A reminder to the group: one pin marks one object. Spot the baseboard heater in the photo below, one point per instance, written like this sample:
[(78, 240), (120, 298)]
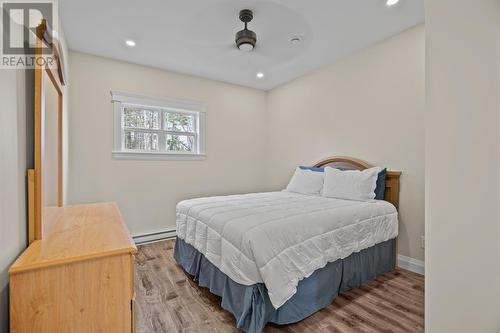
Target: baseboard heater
[(154, 236)]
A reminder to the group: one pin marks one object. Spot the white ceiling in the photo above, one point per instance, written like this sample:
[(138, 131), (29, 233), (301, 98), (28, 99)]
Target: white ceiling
[(197, 36)]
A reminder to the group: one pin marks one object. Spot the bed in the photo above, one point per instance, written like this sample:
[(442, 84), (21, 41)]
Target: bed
[(279, 257)]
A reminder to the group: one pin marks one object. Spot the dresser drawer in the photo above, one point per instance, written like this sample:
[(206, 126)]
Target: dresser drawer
[(86, 296), (79, 277)]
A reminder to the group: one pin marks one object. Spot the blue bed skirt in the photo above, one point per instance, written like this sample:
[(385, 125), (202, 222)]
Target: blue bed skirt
[(251, 306)]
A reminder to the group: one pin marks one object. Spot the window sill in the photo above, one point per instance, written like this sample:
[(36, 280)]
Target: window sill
[(154, 156)]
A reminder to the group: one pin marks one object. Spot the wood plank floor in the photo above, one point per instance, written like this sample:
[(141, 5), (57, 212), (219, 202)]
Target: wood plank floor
[(169, 301)]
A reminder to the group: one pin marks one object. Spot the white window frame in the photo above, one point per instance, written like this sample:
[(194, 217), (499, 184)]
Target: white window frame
[(121, 99)]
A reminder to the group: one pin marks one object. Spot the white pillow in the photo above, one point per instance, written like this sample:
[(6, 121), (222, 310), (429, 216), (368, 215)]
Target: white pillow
[(306, 182), (351, 184)]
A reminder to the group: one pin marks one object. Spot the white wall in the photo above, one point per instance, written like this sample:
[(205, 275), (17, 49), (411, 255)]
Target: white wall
[(462, 292), (147, 191), (14, 86), (370, 106)]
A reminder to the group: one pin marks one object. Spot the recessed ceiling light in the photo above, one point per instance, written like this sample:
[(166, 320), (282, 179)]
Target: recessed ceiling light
[(130, 43), (260, 75), (391, 2)]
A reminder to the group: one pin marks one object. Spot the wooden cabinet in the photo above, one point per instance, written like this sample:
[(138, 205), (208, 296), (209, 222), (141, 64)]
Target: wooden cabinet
[(79, 277)]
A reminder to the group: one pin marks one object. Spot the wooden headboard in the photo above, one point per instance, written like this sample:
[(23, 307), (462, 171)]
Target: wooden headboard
[(349, 163)]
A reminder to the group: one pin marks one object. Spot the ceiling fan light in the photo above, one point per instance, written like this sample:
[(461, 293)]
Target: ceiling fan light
[(247, 47)]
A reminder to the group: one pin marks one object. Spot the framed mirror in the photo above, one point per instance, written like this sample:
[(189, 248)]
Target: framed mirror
[(45, 189)]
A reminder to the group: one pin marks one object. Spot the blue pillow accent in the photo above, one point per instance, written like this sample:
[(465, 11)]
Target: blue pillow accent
[(379, 189), (316, 169)]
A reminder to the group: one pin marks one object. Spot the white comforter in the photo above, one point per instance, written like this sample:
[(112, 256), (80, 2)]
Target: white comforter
[(279, 238)]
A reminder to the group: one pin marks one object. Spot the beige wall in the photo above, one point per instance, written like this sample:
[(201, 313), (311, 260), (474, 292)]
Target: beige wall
[(147, 191), (370, 106), (462, 291), (16, 156), (15, 94)]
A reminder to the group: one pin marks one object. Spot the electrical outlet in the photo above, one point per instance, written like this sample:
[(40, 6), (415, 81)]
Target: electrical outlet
[(422, 242)]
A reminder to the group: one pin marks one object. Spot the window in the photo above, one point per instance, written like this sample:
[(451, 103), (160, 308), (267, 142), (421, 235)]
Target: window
[(152, 128)]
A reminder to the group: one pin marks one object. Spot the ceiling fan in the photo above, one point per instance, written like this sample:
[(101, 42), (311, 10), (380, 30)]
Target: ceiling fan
[(245, 39), (242, 50)]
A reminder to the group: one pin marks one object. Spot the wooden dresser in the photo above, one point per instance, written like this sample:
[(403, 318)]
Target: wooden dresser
[(79, 277)]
